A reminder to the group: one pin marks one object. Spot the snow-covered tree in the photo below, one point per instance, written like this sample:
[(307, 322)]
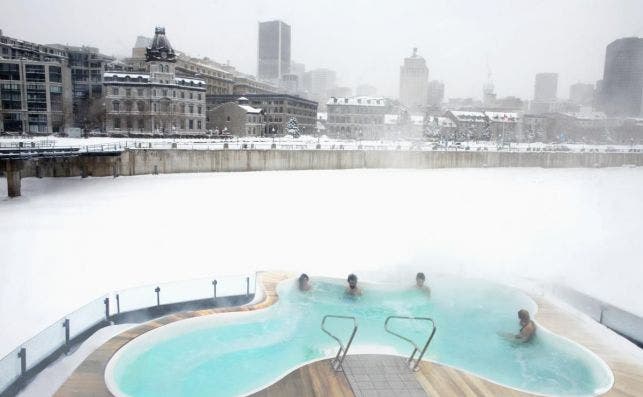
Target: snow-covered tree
[(292, 127)]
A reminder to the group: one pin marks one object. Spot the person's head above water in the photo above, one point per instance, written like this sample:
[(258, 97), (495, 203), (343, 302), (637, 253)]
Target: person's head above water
[(352, 280), (303, 282), (420, 278), (523, 315)]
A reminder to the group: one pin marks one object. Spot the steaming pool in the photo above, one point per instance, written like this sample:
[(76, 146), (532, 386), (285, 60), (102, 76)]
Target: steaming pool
[(235, 354)]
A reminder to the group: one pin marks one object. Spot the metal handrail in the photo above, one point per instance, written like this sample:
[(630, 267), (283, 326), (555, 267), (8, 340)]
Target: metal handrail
[(413, 366), (337, 362)]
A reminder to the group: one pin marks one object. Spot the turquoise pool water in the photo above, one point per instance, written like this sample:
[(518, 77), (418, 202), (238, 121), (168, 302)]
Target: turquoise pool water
[(235, 354)]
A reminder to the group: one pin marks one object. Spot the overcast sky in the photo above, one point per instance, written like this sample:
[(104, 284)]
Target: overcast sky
[(365, 41)]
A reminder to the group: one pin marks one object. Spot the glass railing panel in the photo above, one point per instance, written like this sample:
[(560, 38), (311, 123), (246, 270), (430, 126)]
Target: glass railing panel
[(45, 343), (9, 369), (86, 317), (136, 298)]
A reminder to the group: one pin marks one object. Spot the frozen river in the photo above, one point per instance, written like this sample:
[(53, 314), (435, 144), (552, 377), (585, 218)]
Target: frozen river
[(67, 241)]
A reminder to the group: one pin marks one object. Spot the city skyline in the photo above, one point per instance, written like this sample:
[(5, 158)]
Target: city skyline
[(457, 39)]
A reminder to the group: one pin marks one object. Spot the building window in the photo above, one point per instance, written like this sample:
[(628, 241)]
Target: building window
[(165, 93), (116, 106), (153, 92), (191, 124), (154, 107), (182, 124), (9, 71), (140, 92), (198, 124), (191, 95), (173, 93), (228, 118), (35, 73), (128, 107), (55, 75), (117, 123), (128, 92), (199, 109), (141, 106), (129, 123), (141, 124), (115, 91), (191, 109), (182, 95), (199, 96)]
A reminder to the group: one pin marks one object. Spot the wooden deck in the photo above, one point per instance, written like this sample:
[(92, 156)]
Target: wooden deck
[(317, 379)]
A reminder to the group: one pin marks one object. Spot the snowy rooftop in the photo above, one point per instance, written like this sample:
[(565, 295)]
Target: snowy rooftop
[(502, 117), (250, 109), (359, 100), (120, 75)]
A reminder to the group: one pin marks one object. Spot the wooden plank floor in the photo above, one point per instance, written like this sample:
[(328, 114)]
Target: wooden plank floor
[(317, 379)]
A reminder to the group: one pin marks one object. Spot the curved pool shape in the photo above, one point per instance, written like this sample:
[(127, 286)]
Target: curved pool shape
[(235, 354)]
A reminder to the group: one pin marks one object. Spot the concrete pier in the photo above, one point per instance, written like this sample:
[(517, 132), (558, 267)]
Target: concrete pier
[(167, 161), (12, 169)]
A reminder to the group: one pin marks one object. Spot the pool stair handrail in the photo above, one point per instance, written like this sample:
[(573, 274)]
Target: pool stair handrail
[(414, 365), (337, 362)]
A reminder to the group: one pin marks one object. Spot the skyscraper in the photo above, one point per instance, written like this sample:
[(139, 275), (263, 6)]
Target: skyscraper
[(435, 93), (414, 78), (273, 52), (622, 86), (545, 87)]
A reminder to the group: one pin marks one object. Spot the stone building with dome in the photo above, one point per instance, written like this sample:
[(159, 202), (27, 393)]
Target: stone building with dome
[(156, 101)]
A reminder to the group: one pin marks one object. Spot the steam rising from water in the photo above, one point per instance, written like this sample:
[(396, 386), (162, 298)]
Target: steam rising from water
[(66, 241)]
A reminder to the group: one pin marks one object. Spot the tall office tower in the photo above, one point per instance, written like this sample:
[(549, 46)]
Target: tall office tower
[(435, 93), (622, 86), (545, 87), (319, 82), (273, 52), (414, 78)]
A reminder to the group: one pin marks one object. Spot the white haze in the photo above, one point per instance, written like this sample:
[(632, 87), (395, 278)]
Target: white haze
[(365, 41), (67, 241)]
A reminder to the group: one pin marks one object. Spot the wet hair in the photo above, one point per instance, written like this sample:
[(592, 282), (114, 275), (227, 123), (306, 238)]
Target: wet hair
[(303, 277), (523, 314), (351, 277), (421, 276)]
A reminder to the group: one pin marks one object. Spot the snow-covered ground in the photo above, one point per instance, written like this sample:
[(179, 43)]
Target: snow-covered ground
[(67, 241)]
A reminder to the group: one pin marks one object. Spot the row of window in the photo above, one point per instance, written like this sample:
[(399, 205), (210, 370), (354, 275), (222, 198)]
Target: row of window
[(162, 92), (164, 107), (130, 123)]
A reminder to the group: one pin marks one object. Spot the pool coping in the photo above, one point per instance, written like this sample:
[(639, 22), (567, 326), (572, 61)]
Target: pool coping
[(89, 377)]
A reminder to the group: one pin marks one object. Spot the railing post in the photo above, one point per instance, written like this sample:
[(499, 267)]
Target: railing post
[(247, 286), (158, 295), (106, 302), (118, 304), (66, 325), (23, 360), (214, 287)]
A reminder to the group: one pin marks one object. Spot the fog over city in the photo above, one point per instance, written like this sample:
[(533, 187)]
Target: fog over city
[(364, 41)]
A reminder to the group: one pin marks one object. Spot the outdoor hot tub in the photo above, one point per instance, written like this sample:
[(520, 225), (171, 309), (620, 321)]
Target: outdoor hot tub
[(235, 354)]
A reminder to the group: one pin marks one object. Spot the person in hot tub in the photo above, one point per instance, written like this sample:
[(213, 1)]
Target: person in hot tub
[(304, 282), (527, 329), (353, 289), (420, 280)]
